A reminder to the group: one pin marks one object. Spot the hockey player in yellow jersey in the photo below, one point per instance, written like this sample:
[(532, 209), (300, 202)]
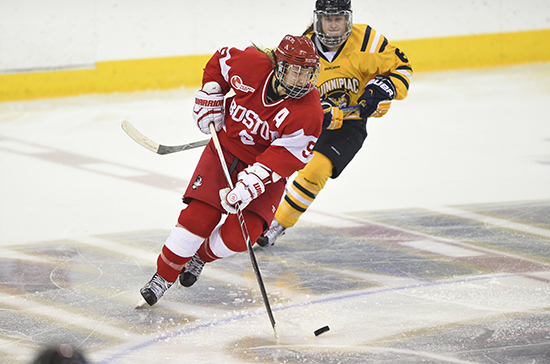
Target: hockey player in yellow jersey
[(358, 66)]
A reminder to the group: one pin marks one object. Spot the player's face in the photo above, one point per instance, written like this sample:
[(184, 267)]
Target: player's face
[(296, 81), (298, 76), (333, 24)]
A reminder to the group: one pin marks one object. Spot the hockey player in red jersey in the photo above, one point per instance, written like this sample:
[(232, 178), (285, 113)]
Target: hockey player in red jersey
[(267, 131)]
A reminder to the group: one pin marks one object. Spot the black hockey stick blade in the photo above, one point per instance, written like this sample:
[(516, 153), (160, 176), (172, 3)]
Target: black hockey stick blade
[(156, 147), (350, 109), (353, 108)]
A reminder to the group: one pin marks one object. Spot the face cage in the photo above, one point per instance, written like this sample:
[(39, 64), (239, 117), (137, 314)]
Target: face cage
[(332, 40), (289, 76)]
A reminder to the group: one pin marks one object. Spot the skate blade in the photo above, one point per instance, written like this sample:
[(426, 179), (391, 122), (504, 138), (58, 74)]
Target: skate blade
[(141, 303), (276, 332)]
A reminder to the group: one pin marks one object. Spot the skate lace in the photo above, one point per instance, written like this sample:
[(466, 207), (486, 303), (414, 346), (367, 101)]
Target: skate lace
[(275, 231), (194, 266), (158, 285)]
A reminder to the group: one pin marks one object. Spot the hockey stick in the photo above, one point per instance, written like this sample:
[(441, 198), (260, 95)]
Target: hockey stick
[(156, 147), (350, 109), (244, 230), (168, 149)]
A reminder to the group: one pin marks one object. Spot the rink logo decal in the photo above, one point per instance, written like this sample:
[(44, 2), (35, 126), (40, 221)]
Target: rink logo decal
[(197, 183), (237, 84)]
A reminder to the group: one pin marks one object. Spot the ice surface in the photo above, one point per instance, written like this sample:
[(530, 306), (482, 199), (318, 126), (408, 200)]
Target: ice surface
[(432, 247)]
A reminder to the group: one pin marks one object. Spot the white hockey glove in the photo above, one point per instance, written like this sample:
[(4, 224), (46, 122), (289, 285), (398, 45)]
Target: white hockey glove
[(209, 107), (376, 99), (251, 184)]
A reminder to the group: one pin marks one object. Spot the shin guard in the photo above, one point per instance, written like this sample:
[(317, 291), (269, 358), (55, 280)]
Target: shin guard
[(179, 247), (304, 189)]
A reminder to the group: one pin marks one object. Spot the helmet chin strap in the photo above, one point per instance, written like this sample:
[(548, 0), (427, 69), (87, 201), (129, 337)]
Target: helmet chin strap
[(276, 83)]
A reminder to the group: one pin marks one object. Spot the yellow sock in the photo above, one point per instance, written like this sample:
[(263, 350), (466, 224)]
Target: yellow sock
[(305, 187)]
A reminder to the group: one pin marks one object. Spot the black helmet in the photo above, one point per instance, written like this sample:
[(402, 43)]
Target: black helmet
[(329, 12), (333, 5)]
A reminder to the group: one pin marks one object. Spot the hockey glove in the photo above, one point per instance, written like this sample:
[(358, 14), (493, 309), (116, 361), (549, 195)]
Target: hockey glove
[(334, 117), (377, 97), (251, 184), (209, 107)]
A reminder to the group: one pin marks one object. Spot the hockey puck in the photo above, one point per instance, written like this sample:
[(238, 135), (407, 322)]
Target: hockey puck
[(321, 330)]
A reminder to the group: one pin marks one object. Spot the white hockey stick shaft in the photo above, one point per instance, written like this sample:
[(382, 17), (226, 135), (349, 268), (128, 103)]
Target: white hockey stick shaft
[(244, 230), (156, 147), (169, 149)]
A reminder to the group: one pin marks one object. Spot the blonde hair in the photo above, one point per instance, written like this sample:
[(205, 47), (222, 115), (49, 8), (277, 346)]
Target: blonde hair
[(269, 52), (309, 30)]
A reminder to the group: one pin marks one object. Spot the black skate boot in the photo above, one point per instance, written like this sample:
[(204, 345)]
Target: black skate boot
[(192, 271), (154, 289)]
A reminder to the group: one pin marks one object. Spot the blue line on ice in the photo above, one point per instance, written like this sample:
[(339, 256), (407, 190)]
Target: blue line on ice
[(185, 331)]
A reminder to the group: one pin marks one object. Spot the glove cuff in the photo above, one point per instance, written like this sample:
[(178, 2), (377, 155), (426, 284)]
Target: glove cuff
[(384, 84), (212, 87), (265, 174)]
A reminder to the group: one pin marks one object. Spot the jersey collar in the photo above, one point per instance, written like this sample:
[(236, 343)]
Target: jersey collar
[(321, 49)]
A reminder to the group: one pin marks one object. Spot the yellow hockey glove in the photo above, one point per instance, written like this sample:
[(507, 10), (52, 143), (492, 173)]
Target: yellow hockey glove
[(334, 117)]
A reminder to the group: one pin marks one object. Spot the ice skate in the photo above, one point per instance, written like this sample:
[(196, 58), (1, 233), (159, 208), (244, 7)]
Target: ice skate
[(270, 236), (192, 271), (154, 289)]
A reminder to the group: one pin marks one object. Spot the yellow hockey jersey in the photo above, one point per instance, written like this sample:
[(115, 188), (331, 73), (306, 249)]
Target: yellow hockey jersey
[(365, 54)]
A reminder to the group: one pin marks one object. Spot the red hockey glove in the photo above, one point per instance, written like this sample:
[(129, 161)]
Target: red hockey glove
[(334, 117), (209, 107), (251, 184), (377, 97)]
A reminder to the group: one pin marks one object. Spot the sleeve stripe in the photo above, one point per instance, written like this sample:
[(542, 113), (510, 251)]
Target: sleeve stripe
[(384, 44), (401, 78), (405, 72), (407, 68), (224, 67), (366, 39), (375, 43)]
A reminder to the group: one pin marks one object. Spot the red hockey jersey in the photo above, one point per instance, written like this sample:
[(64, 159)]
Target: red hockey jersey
[(280, 135)]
